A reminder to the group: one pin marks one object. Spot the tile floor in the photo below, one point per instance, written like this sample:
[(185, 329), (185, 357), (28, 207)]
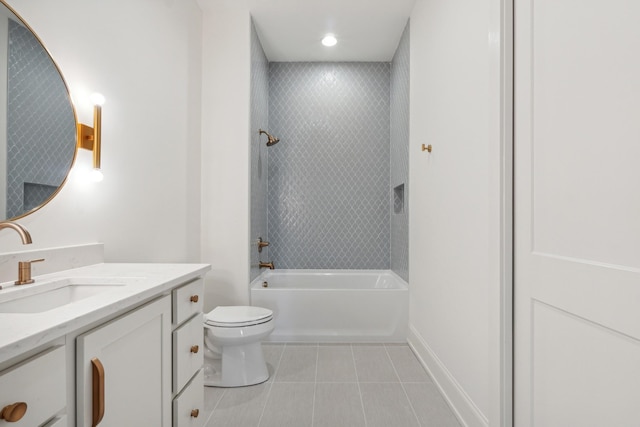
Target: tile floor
[(343, 385)]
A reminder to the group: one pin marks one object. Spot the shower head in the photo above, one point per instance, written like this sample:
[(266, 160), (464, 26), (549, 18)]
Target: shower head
[(272, 140)]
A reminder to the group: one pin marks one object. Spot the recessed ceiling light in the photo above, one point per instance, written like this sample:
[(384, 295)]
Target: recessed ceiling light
[(329, 40)]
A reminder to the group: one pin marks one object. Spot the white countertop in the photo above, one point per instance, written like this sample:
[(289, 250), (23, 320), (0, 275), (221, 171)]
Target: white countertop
[(22, 332)]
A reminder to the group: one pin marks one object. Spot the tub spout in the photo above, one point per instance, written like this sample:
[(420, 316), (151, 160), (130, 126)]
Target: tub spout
[(268, 265)]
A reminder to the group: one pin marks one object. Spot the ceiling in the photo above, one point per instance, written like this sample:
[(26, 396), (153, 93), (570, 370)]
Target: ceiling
[(367, 30)]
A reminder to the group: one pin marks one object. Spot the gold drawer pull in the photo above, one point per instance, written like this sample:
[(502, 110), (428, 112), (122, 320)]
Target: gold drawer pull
[(195, 413), (194, 298), (15, 412), (98, 391), (194, 349)]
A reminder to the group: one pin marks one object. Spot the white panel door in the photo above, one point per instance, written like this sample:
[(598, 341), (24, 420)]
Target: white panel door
[(135, 352), (577, 213)]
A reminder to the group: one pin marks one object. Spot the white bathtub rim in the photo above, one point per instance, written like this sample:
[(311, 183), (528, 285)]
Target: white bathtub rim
[(257, 282)]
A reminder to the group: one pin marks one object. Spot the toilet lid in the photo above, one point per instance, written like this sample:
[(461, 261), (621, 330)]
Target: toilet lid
[(237, 316)]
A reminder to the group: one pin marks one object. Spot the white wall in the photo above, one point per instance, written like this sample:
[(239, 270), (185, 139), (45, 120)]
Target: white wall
[(455, 201), (225, 151), (144, 56)]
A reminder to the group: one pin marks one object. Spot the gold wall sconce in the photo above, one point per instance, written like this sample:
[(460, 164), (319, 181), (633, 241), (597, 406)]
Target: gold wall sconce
[(89, 137)]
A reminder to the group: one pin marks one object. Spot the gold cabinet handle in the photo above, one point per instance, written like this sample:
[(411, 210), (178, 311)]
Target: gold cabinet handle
[(98, 391), (195, 413), (13, 413), (427, 148), (194, 298), (194, 349)]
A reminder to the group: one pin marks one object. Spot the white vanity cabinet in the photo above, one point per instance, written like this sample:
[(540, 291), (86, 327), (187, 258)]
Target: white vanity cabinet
[(145, 367), (38, 385), (188, 384), (129, 356), (123, 369), (57, 422)]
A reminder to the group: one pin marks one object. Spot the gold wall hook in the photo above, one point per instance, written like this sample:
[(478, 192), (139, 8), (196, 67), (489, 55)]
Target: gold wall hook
[(427, 148)]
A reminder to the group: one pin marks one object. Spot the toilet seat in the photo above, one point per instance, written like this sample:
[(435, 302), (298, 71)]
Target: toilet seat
[(237, 316)]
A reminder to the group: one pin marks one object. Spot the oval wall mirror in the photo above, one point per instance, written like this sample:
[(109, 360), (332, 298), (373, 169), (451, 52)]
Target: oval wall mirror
[(37, 121)]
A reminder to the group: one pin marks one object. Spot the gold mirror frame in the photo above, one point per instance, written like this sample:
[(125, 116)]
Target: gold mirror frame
[(73, 110)]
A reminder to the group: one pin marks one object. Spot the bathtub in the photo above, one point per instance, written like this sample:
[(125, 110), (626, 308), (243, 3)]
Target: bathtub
[(334, 305)]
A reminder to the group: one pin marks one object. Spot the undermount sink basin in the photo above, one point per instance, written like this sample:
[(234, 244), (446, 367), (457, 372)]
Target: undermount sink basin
[(48, 296)]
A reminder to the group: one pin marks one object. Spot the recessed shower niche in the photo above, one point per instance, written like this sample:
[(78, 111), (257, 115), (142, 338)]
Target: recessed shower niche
[(398, 199)]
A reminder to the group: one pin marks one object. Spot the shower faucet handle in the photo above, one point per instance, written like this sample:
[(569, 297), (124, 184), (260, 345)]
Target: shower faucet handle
[(262, 244)]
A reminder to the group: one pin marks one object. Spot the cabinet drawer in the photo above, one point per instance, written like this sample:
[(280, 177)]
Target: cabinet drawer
[(187, 301), (188, 406), (40, 382), (57, 422), (187, 352)]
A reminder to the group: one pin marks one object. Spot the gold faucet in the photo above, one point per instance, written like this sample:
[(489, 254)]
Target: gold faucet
[(268, 265), (24, 272), (24, 267), (24, 234)]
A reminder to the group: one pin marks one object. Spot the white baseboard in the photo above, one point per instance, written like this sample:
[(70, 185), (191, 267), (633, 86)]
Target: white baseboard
[(461, 404)]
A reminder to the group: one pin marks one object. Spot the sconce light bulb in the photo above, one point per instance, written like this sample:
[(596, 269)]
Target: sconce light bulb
[(96, 175), (97, 99)]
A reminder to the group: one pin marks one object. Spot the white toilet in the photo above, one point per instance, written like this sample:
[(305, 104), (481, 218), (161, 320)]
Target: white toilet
[(233, 345)]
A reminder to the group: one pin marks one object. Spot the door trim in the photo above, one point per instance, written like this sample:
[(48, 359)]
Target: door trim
[(501, 137)]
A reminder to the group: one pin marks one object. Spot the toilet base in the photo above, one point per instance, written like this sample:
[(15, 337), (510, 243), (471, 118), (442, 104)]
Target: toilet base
[(240, 365)]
